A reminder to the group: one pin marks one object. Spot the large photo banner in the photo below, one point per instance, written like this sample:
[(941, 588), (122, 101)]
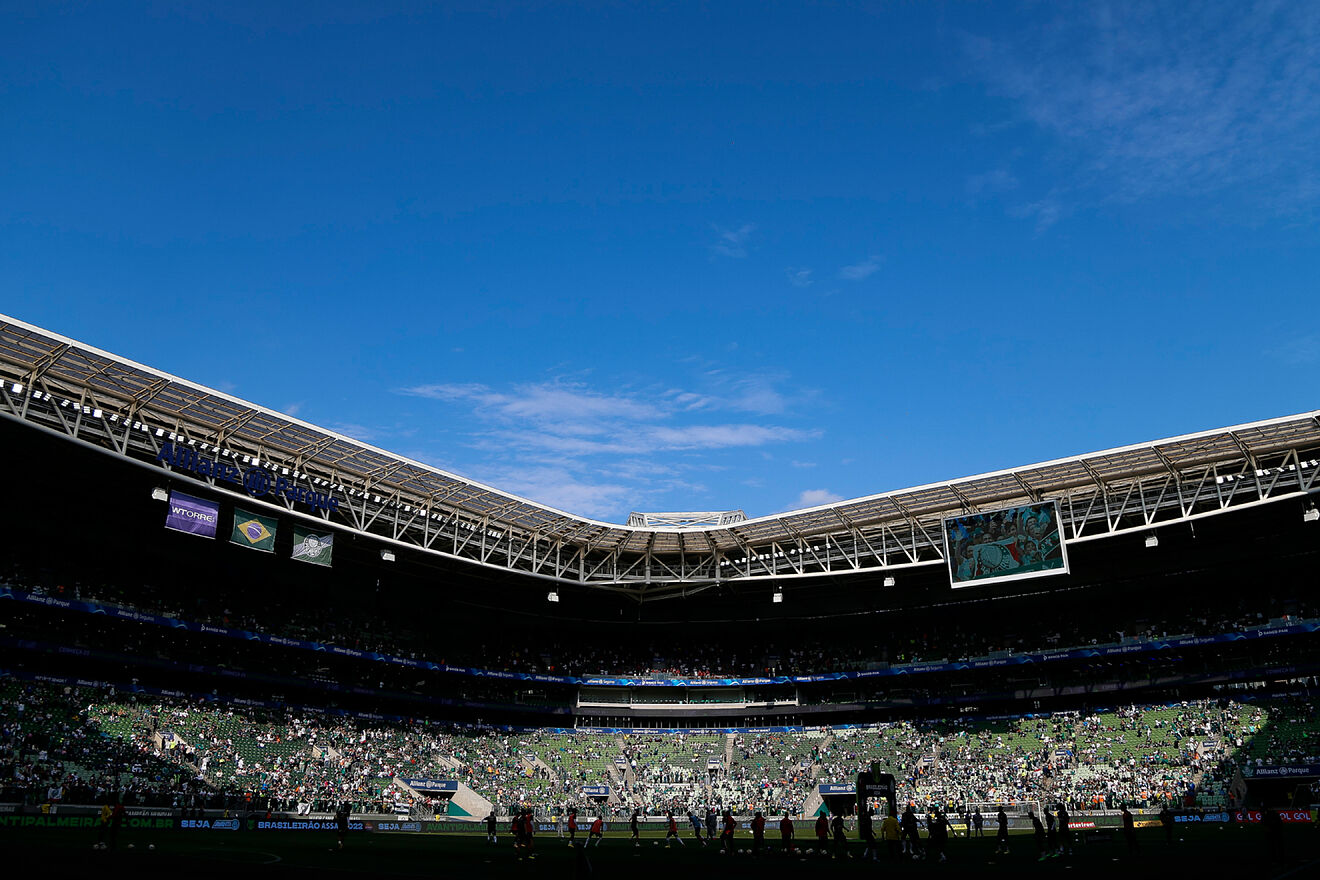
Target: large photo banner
[(1009, 544), (196, 516)]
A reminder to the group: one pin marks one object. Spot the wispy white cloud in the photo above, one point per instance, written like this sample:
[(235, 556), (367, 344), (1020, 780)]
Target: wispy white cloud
[(814, 498), (732, 242), (357, 432), (293, 409), (1046, 212), (587, 450), (800, 277), (562, 488), (858, 271), (998, 180), (1158, 99), (1297, 352)]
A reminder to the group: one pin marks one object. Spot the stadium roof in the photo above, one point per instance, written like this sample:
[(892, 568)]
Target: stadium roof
[(35, 358)]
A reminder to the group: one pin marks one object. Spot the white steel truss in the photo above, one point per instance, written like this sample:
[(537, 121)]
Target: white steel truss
[(131, 412)]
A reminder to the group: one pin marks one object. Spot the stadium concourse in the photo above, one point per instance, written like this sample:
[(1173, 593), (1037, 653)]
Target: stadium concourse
[(1134, 628)]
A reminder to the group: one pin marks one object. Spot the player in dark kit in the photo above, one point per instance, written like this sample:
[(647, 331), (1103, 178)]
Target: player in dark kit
[(341, 824), (786, 834), (758, 832), (1039, 831), (636, 831), (866, 830), (822, 833), (529, 833), (908, 829), (840, 838), (726, 836), (1065, 832), (1001, 842), (491, 834)]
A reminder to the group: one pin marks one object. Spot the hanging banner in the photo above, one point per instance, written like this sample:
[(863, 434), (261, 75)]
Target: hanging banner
[(192, 515), (253, 530), (311, 547)]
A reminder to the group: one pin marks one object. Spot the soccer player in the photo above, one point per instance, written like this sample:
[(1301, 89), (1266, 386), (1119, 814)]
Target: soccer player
[(522, 832), (758, 832), (1039, 830), (1129, 830), (938, 832), (786, 834), (979, 822), (840, 837), (1065, 832), (107, 811), (726, 837), (696, 826), (822, 833), (491, 835), (671, 830), (710, 823), (911, 836), (341, 823), (636, 831), (866, 831), (572, 825), (1001, 844), (890, 832), (597, 831)]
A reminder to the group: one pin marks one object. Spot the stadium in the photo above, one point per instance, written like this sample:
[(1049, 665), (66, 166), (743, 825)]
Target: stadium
[(233, 624)]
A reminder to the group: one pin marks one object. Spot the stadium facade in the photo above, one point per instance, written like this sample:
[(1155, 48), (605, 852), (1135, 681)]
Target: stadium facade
[(1184, 584)]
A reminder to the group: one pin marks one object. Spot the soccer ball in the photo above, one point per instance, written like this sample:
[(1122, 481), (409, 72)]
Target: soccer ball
[(151, 846), (655, 843), (130, 846)]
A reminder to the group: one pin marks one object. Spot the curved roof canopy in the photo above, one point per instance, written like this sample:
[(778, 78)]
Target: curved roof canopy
[(35, 359)]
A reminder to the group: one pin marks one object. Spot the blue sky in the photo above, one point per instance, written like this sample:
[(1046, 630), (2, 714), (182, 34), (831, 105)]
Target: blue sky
[(687, 257)]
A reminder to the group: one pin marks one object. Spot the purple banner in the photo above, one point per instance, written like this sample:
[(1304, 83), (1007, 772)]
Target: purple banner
[(192, 515)]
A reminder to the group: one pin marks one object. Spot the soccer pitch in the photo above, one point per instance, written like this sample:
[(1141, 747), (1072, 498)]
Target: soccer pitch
[(1221, 850)]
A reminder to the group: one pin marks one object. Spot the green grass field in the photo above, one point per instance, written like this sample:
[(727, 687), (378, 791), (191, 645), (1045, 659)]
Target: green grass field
[(1215, 851)]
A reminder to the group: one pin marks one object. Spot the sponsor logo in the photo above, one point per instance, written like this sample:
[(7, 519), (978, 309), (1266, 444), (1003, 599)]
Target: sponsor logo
[(256, 481), (210, 824), (1256, 816)]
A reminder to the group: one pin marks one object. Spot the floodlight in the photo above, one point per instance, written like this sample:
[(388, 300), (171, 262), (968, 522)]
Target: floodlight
[(552, 596), (17, 388), (159, 494), (387, 556), (890, 581), (1311, 514), (778, 597), (1152, 540)]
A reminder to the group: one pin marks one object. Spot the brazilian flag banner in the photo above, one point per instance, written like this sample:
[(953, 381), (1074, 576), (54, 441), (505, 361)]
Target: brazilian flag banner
[(253, 530), (313, 547)]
